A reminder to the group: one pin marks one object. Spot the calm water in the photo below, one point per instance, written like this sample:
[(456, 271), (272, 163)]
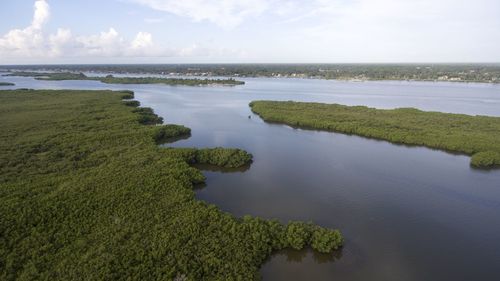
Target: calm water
[(407, 213)]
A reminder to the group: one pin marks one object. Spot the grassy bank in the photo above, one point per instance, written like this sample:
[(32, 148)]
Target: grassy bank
[(110, 79), (87, 194), (477, 136)]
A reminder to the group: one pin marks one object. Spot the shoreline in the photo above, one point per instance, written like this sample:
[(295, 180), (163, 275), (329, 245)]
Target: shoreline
[(188, 76)]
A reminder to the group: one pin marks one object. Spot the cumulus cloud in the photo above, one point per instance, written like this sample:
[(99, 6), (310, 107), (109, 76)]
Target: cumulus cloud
[(107, 43), (226, 13), (142, 40), (59, 42), (27, 41), (34, 42), (42, 14)]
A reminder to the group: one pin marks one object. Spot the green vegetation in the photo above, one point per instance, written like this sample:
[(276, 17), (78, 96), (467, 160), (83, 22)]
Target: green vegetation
[(56, 76), (487, 73), (86, 193), (324, 240), (223, 157), (110, 79), (163, 133), (146, 116), (25, 74), (127, 95), (478, 136), (132, 103), (169, 81), (7, 84)]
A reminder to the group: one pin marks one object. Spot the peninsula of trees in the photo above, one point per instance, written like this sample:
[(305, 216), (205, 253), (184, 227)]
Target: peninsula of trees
[(87, 192), (7, 84), (110, 79), (477, 136)]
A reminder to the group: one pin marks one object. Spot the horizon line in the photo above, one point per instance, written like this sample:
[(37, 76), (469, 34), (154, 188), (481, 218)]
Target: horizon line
[(254, 63)]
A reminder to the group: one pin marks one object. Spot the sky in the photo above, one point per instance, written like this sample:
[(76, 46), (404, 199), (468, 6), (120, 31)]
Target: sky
[(248, 31)]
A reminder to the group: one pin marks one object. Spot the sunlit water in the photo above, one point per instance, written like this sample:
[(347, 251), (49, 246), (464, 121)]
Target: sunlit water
[(407, 213)]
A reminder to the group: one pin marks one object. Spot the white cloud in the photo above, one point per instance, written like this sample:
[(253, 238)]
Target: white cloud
[(42, 14), (142, 40), (27, 41), (277, 31), (143, 46), (59, 42), (107, 43), (225, 13), (33, 42)]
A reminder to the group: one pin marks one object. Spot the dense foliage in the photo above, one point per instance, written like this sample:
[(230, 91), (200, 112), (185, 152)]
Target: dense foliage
[(132, 103), (489, 73), (223, 157), (478, 136), (87, 194), (146, 116), (169, 81), (110, 79), (324, 240), (7, 84), (166, 132)]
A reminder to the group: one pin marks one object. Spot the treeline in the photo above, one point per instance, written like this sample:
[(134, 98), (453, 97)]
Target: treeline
[(477, 136), (169, 81), (489, 73), (7, 84), (86, 192), (110, 79)]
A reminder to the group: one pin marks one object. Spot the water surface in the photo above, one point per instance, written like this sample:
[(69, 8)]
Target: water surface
[(407, 213)]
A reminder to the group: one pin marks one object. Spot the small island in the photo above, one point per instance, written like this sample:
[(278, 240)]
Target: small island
[(477, 136), (110, 79), (7, 84)]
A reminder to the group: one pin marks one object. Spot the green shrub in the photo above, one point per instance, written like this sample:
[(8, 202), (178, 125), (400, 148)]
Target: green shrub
[(325, 240), (146, 116), (165, 132), (132, 103), (229, 158), (127, 95), (298, 234), (486, 159)]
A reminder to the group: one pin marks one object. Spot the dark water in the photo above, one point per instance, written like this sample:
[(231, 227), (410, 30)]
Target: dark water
[(407, 213)]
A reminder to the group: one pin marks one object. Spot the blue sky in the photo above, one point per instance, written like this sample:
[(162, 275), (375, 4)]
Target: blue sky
[(196, 31)]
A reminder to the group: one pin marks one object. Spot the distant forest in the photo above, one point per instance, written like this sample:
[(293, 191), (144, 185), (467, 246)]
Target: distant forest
[(488, 73)]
